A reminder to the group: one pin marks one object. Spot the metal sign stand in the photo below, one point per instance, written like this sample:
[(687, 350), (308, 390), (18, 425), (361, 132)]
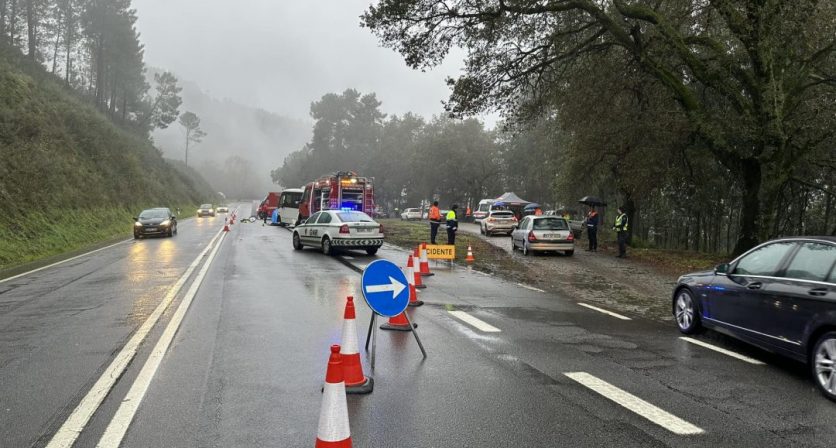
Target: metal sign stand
[(372, 336)]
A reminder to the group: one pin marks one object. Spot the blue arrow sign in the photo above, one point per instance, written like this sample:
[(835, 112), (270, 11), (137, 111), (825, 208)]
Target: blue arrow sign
[(385, 288)]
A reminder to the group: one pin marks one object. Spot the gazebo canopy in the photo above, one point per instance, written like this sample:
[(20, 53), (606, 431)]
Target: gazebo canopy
[(510, 198)]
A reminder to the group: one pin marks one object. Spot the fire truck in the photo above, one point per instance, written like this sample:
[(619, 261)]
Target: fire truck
[(344, 190)]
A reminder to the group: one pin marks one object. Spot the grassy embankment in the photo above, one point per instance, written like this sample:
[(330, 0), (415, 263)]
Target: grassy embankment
[(70, 178)]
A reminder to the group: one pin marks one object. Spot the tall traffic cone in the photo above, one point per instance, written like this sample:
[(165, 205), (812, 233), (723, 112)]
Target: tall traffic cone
[(409, 272), (416, 252), (469, 258), (355, 381), (398, 323), (416, 276), (333, 430), (424, 262), (226, 225)]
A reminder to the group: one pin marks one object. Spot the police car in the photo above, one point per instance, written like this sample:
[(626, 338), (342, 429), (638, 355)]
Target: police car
[(333, 230)]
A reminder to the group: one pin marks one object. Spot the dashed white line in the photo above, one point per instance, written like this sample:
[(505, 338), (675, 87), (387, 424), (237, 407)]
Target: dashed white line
[(601, 310), (479, 324), (530, 287), (743, 358), (118, 426), (656, 415), (62, 261), (67, 434)]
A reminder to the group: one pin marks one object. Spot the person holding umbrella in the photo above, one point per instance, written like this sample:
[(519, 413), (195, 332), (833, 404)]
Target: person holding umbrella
[(592, 229)]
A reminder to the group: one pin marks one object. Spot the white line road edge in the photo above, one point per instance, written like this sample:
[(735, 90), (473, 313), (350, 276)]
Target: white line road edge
[(479, 324), (118, 426), (67, 434), (62, 261), (656, 415), (743, 358), (530, 287), (601, 310)]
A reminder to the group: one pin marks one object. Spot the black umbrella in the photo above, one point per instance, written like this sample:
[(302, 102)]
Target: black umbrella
[(592, 201)]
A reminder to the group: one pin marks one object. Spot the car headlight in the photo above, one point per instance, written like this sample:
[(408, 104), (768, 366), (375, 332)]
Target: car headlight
[(137, 224), (165, 223)]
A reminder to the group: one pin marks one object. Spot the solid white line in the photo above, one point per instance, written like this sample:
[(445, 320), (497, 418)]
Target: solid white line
[(63, 261), (479, 324), (723, 351), (530, 287), (118, 426), (601, 310), (67, 434), (656, 415)]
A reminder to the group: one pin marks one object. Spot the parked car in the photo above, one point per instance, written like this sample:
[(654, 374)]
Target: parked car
[(542, 234), (222, 209), (205, 210), (155, 221), (498, 221), (410, 214), (779, 296), (333, 230)]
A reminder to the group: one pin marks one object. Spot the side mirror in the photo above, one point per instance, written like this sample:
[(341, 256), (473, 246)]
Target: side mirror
[(721, 269), (303, 221), (136, 219)]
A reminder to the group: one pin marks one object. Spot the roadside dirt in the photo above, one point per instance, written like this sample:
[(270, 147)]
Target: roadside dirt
[(599, 278)]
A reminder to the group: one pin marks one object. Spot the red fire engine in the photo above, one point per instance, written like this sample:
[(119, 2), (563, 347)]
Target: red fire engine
[(344, 190)]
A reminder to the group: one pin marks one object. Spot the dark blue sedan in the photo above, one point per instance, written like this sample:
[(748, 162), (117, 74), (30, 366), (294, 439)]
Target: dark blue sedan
[(780, 296)]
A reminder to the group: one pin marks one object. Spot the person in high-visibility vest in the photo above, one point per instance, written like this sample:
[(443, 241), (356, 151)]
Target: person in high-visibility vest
[(452, 224), (435, 221), (621, 227)]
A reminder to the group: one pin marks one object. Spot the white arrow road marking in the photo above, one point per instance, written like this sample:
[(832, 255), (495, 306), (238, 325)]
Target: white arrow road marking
[(394, 286)]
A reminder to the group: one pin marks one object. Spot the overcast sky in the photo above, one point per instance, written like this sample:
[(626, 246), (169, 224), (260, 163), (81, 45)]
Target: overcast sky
[(282, 54)]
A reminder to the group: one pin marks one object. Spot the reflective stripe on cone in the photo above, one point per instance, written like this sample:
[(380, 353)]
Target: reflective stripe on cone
[(412, 279), (333, 430), (424, 262)]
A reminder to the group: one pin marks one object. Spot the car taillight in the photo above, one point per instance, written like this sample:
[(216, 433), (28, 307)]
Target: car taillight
[(571, 237), (531, 236), (380, 229), (514, 218), (344, 229)]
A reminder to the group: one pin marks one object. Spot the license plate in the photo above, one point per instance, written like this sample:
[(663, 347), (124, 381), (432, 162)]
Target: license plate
[(362, 230), (151, 229), (551, 236)]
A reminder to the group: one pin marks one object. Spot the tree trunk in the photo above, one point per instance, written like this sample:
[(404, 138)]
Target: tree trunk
[(68, 41), (631, 210), (3, 4), (187, 148), (750, 207), (31, 26), (57, 42), (13, 23)]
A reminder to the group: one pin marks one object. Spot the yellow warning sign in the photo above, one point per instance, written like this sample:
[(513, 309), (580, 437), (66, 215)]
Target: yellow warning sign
[(441, 252)]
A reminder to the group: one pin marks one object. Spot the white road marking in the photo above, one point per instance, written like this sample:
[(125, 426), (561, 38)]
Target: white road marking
[(601, 310), (656, 415), (723, 351), (479, 324), (530, 287), (118, 426), (62, 261), (67, 434)]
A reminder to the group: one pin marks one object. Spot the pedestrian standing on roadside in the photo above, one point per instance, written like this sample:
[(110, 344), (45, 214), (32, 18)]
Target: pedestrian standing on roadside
[(452, 224), (435, 221), (621, 227), (592, 229)]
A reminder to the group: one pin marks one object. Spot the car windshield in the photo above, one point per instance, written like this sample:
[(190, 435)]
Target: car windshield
[(354, 217), (206, 206), (153, 214), (550, 224)]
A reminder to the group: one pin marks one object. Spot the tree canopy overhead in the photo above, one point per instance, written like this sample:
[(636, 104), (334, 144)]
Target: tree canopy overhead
[(756, 80)]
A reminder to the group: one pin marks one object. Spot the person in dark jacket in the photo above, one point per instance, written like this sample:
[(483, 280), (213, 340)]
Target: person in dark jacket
[(452, 224), (592, 220)]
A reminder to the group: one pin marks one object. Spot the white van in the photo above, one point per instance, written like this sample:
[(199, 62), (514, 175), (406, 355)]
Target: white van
[(289, 206), (482, 210)]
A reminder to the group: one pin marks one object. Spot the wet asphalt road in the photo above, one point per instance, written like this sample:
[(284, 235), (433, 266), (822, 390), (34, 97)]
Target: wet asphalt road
[(246, 365)]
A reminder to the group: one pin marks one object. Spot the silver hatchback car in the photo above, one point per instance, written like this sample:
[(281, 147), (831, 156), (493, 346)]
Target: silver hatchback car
[(543, 234)]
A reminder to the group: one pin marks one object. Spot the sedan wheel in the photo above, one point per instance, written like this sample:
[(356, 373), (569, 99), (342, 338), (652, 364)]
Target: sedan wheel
[(824, 365), (326, 246), (687, 318), (297, 243)]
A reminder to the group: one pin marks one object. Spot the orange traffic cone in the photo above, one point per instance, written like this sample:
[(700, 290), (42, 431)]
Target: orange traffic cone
[(416, 252), (398, 323), (226, 225), (409, 272), (355, 381), (416, 276), (469, 258), (333, 430), (424, 262)]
